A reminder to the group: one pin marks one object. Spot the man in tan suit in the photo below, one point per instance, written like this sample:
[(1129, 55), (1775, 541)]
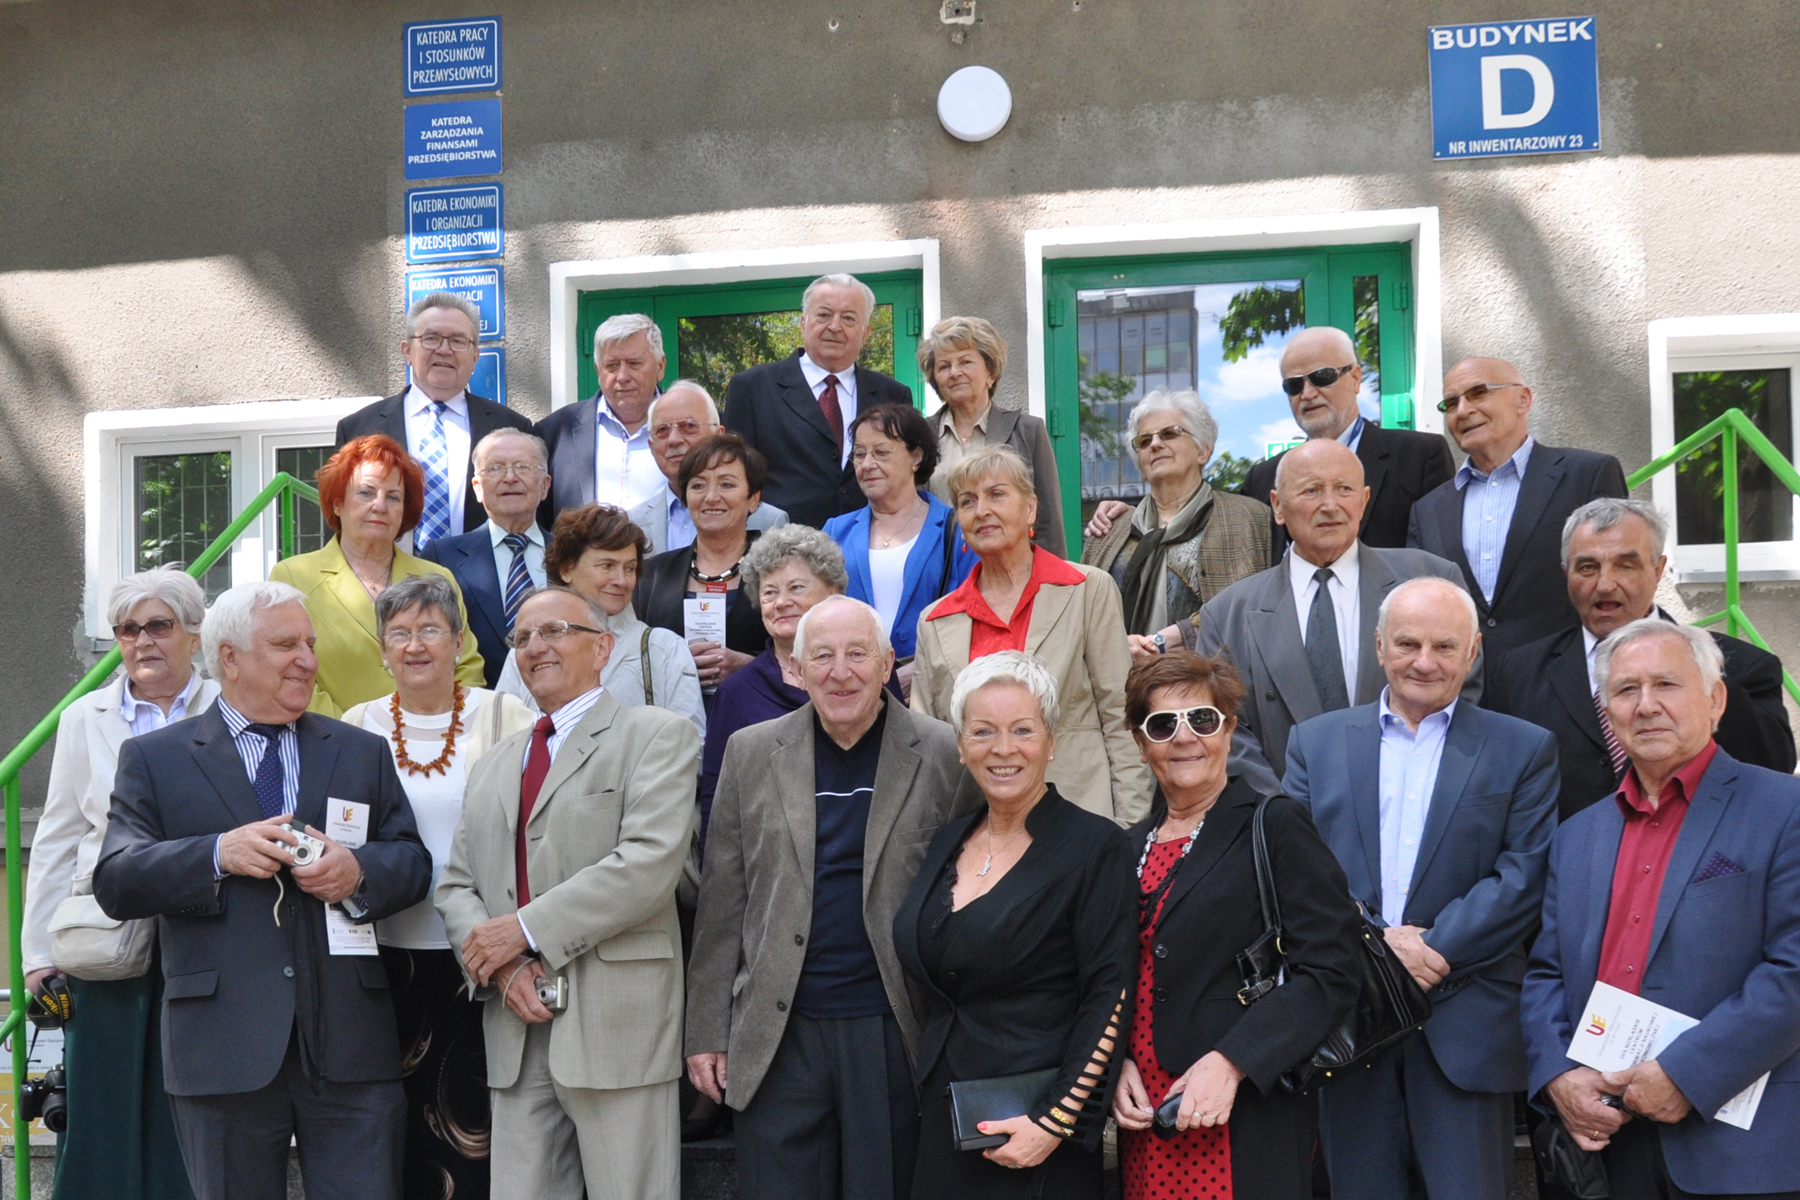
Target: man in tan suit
[(564, 868), (819, 824)]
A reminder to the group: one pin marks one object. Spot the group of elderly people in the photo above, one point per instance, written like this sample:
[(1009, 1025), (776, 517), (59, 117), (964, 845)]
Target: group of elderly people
[(973, 853)]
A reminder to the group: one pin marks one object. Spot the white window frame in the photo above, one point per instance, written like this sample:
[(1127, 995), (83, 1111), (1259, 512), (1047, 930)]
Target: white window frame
[(1722, 343), (1417, 227), (569, 279), (251, 432)]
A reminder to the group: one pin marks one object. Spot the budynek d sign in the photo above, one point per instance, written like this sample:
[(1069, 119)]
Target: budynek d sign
[(1525, 87)]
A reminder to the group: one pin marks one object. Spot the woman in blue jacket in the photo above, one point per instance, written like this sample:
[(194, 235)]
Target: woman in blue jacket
[(903, 549)]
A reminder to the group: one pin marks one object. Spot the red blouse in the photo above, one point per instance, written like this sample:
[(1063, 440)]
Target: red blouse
[(988, 634)]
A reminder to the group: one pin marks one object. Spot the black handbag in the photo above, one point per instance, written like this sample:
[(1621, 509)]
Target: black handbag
[(1389, 1003), (973, 1101), (1582, 1173)]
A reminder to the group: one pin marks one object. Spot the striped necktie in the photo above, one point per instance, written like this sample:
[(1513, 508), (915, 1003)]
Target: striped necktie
[(518, 578), (1616, 751), (434, 522)]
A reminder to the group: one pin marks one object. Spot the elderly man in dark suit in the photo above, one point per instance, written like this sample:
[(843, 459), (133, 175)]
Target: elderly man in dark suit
[(1498, 519), (1612, 552), (798, 411), (798, 1012), (1441, 815), (277, 1022), (437, 418)]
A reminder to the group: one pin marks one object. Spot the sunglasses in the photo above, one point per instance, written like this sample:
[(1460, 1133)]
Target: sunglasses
[(1204, 721), (1474, 395), (1324, 377), (158, 628), (1142, 441)]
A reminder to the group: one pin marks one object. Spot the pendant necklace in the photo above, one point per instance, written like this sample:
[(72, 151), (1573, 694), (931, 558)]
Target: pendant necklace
[(989, 864)]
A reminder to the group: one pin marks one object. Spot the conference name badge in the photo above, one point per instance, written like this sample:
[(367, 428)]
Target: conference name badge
[(347, 822)]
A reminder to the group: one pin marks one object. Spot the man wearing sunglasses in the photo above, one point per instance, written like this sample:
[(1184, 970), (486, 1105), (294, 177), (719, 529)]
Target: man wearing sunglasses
[(680, 419), (1500, 519)]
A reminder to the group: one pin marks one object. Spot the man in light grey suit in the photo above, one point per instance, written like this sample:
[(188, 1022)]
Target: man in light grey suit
[(819, 824), (1302, 633), (563, 868), (680, 419)]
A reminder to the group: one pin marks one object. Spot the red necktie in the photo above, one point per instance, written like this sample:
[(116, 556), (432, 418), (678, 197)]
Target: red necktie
[(834, 416), (537, 765)]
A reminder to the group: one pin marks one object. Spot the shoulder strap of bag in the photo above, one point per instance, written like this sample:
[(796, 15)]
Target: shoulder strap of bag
[(644, 663), (1265, 873), (494, 729), (950, 528)]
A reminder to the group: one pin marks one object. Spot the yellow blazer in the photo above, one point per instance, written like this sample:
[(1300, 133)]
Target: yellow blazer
[(343, 617)]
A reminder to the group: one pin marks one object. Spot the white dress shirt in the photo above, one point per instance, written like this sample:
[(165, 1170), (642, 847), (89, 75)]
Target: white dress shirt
[(815, 379), (419, 419), (1590, 643), (1352, 436), (503, 555), (1409, 769), (145, 717), (625, 470), (1346, 602)]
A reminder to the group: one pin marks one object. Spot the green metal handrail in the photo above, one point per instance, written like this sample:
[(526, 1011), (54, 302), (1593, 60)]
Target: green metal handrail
[(1729, 427), (282, 489)]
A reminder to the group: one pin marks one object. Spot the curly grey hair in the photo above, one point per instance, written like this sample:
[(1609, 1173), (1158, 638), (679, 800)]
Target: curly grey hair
[(778, 546), (1196, 418)]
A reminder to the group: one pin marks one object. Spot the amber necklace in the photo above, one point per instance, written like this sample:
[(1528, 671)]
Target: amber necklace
[(441, 762)]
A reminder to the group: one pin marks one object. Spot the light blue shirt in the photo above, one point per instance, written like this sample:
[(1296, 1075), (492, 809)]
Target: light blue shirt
[(503, 555), (144, 717), (1409, 768), (1352, 437), (680, 533), (1488, 513)]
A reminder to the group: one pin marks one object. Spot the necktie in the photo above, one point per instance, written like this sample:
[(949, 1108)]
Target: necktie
[(1323, 653), (537, 765), (834, 416), (271, 780), (434, 522), (518, 578), (1613, 749)]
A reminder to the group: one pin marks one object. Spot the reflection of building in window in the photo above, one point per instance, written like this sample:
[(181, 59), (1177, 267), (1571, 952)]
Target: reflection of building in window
[(303, 463), (711, 349), (1132, 342), (1765, 506), (182, 502)]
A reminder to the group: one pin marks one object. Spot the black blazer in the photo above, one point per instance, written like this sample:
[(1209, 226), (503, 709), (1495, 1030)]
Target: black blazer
[(1399, 466), (470, 558), (663, 584), (1531, 594), (1039, 966), (1546, 683), (389, 417), (772, 408), (235, 983)]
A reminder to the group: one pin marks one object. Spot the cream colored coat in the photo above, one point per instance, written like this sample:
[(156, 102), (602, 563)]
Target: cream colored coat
[(606, 843)]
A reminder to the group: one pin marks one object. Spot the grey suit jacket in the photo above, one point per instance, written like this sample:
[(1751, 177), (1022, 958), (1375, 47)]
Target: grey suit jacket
[(652, 516), (1255, 623), (605, 846), (756, 892)]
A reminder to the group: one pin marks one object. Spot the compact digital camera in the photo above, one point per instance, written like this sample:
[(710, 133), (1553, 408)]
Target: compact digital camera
[(553, 994), (310, 847)]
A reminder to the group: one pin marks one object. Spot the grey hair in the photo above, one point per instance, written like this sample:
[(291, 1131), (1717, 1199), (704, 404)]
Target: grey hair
[(1707, 655), (1436, 583), (505, 431), (1007, 667), (627, 325), (842, 280), (1604, 513), (685, 385), (172, 585), (598, 615), (425, 591), (461, 304), (1195, 417), (778, 546), (838, 601), (232, 619)]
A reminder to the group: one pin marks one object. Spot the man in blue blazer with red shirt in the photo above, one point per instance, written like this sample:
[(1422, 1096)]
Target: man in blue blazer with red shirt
[(1683, 888)]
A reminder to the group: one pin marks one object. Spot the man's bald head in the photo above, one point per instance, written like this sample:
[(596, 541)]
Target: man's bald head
[(1318, 454), (1323, 412), (1485, 407), (1320, 496)]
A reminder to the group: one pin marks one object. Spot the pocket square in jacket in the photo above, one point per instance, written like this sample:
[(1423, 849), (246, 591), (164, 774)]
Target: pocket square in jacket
[(1716, 866)]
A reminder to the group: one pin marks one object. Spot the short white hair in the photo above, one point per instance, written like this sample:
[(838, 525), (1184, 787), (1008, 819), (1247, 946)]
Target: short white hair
[(172, 585), (834, 601), (506, 431), (1195, 417), (841, 280), (1706, 653), (1013, 667), (232, 619), (685, 385), (620, 328), (1434, 583)]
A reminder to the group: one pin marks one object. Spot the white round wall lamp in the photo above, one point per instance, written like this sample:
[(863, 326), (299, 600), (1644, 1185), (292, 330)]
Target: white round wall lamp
[(974, 103)]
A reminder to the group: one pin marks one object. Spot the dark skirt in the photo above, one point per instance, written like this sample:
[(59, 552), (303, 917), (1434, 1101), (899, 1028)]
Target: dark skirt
[(444, 1068), (1070, 1173), (120, 1142)]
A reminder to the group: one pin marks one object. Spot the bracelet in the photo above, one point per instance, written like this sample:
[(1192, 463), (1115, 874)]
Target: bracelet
[(1062, 1118), (1048, 1126)]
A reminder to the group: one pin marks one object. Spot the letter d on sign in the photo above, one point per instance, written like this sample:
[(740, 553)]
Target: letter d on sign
[(1543, 91)]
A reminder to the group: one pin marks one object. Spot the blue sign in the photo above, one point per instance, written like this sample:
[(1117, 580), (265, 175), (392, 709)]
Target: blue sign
[(453, 56), (455, 222), (457, 137), (489, 379), (1530, 87), (480, 286)]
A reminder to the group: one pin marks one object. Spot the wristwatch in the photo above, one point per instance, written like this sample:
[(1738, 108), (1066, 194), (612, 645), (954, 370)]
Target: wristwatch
[(1162, 643)]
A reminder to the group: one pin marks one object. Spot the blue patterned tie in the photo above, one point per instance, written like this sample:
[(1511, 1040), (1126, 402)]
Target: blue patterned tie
[(271, 800), (518, 578), (434, 522)]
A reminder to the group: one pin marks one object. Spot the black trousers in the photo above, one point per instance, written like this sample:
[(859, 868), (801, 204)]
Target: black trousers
[(835, 1117), (1636, 1170), (351, 1138), (1072, 1172)]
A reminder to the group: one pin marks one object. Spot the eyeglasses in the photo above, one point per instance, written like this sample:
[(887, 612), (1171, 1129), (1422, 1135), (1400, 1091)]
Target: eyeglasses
[(1203, 721), (880, 454), (1474, 394), (551, 631), (157, 627), (1142, 441), (430, 635), (1324, 377), (437, 341), (523, 470), (663, 430)]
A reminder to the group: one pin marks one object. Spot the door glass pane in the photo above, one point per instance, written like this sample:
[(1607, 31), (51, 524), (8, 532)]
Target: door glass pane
[(1765, 507), (1222, 340), (303, 463), (183, 502), (710, 350), (1366, 298)]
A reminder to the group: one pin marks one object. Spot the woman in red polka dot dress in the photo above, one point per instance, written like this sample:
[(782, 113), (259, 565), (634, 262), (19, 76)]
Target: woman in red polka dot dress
[(1240, 1136)]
